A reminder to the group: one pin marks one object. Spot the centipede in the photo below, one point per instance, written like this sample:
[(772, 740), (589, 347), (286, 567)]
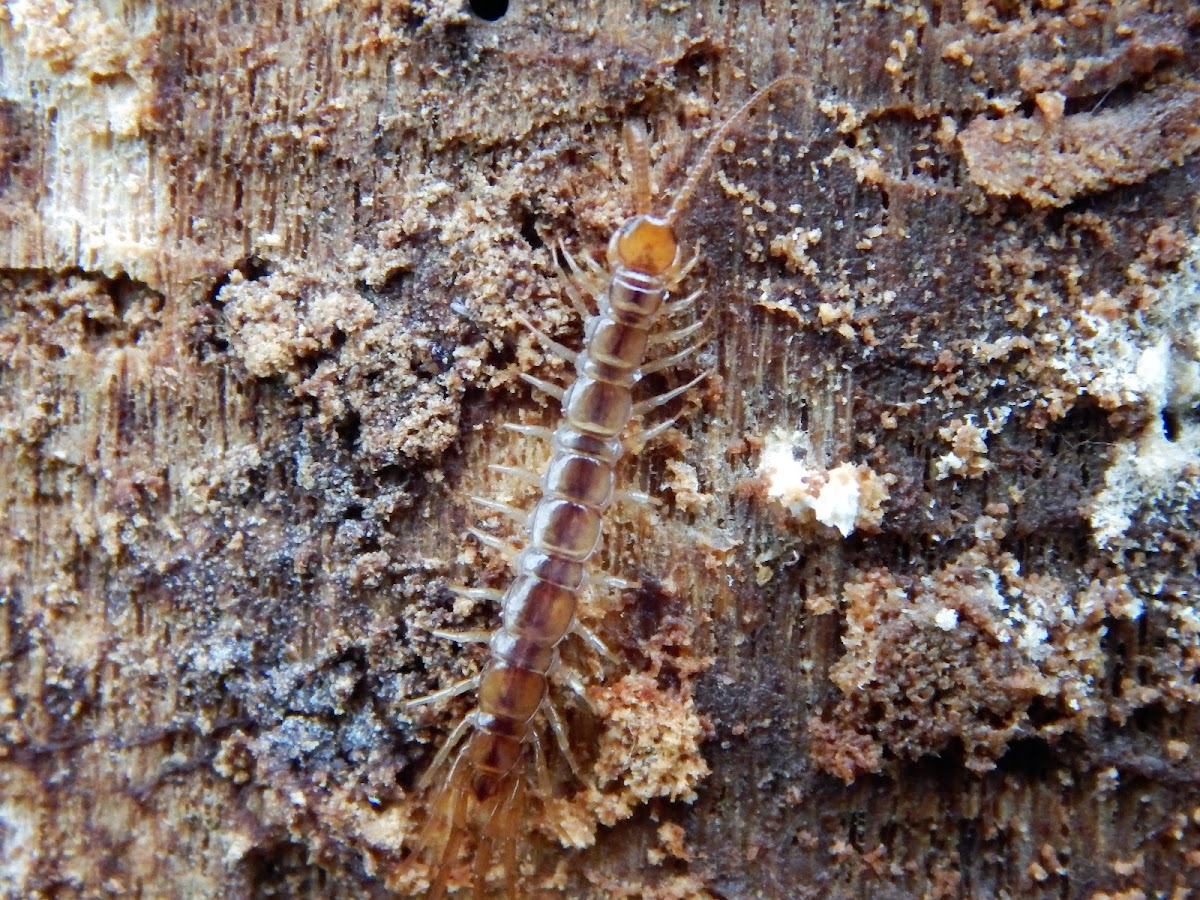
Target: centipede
[(493, 763)]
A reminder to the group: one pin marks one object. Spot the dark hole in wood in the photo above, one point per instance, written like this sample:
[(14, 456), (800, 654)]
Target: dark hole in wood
[(489, 10), (1171, 424)]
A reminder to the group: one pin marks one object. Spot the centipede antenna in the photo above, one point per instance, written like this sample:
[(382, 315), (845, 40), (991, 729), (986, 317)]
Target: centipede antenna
[(637, 151), (702, 164)]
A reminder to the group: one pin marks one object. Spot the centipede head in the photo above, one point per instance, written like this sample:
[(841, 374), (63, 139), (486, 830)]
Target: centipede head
[(645, 244)]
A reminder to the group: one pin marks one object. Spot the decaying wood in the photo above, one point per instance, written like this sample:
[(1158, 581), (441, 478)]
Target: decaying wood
[(917, 613)]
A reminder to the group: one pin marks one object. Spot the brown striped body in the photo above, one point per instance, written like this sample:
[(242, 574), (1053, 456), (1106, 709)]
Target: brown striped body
[(488, 775), (539, 607)]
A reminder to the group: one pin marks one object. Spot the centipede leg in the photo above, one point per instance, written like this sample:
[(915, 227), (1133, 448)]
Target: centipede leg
[(439, 821), (571, 680), (593, 641), (677, 334), (443, 754), (644, 406), (504, 548), (546, 387), (646, 435), (559, 729), (497, 823), (616, 582), (538, 431), (467, 684), (636, 497), (454, 839), (592, 277), (477, 593), (511, 512), (575, 292), (675, 307), (687, 267), (509, 856), (591, 265), (479, 636), (541, 770), (565, 353), (522, 475), (667, 362), (483, 849)]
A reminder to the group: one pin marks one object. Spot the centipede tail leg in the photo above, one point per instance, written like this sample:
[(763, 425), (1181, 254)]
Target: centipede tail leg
[(509, 853), (443, 832)]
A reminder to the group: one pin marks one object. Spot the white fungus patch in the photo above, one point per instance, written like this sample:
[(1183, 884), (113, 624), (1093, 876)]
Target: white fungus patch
[(1155, 475), (946, 619), (17, 843), (846, 497)]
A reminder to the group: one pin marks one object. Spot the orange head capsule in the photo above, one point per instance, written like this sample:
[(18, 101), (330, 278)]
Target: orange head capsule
[(645, 244)]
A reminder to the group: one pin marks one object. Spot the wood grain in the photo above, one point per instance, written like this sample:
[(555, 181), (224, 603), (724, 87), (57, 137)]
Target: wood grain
[(257, 291)]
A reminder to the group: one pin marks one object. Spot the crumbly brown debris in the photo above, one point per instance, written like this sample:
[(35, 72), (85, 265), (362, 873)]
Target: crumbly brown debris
[(1050, 159), (398, 381), (963, 654)]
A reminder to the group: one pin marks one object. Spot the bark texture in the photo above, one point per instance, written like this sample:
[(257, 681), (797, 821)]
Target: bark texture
[(917, 612)]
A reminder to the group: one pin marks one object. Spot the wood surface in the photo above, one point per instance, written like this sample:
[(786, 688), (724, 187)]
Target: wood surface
[(916, 611)]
